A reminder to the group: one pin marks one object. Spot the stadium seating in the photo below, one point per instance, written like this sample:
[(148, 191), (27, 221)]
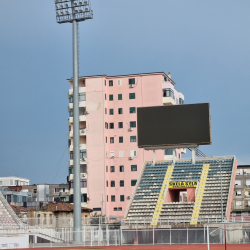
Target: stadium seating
[(8, 218), (148, 202)]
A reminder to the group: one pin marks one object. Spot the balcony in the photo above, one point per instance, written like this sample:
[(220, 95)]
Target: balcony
[(82, 132), (81, 104), (81, 90), (168, 97), (168, 101), (82, 146), (82, 118), (71, 162)]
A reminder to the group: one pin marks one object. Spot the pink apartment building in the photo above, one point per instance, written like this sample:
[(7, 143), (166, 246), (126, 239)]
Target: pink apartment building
[(110, 159)]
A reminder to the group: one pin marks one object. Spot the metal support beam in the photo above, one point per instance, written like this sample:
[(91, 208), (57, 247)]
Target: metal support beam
[(174, 156), (76, 137), (193, 155), (154, 156)]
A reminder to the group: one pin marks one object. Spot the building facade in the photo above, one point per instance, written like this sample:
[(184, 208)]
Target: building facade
[(110, 159), (241, 198)]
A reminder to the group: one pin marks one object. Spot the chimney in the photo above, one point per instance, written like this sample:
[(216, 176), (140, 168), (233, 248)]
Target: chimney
[(169, 75)]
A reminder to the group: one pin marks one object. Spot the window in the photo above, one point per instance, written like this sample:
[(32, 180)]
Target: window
[(121, 197), (119, 111), (105, 111), (112, 184), (132, 138), (238, 203), (131, 95), (119, 208), (238, 193), (82, 97), (121, 153), (83, 153), (248, 182), (107, 198), (131, 81), (181, 101), (132, 124), (119, 97), (34, 191), (112, 154), (132, 110), (69, 143), (111, 111), (105, 97), (122, 183), (168, 93), (133, 168), (120, 139), (115, 208), (71, 113), (97, 209), (111, 125), (238, 183), (133, 153), (120, 124), (121, 168), (71, 99), (113, 198), (168, 151), (111, 97), (71, 170), (50, 219), (107, 183), (106, 125), (107, 169), (105, 82), (84, 198), (133, 183), (112, 169), (57, 190), (106, 139), (69, 128), (112, 139), (83, 183), (110, 83), (119, 82)]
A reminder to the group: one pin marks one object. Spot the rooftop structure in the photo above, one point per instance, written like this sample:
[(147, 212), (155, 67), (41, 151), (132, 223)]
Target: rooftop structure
[(13, 181), (110, 161)]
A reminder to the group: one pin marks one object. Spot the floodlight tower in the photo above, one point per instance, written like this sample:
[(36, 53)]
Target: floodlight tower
[(74, 11)]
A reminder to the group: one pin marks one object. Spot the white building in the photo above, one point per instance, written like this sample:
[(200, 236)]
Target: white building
[(13, 181)]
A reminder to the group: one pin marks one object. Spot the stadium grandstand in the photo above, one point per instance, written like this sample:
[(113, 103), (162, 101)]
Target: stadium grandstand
[(8, 218), (182, 192)]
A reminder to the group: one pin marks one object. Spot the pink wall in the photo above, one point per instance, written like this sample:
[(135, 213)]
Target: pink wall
[(231, 191)]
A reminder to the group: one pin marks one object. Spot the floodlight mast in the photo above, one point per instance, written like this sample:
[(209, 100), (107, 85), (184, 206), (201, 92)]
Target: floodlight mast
[(74, 11)]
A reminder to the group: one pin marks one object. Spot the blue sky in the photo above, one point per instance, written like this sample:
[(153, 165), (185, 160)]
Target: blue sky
[(204, 44)]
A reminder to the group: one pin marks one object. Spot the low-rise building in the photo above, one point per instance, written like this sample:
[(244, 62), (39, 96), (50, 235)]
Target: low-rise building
[(58, 215)]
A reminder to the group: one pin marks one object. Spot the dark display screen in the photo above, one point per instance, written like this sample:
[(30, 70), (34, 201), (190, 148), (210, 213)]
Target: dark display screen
[(174, 125)]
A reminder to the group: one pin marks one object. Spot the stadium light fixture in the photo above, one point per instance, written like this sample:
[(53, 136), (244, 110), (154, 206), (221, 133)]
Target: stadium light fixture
[(74, 11)]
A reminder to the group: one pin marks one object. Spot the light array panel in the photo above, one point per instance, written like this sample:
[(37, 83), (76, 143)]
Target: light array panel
[(67, 10)]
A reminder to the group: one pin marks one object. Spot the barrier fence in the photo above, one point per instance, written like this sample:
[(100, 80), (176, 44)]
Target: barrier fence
[(234, 233), (49, 222)]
